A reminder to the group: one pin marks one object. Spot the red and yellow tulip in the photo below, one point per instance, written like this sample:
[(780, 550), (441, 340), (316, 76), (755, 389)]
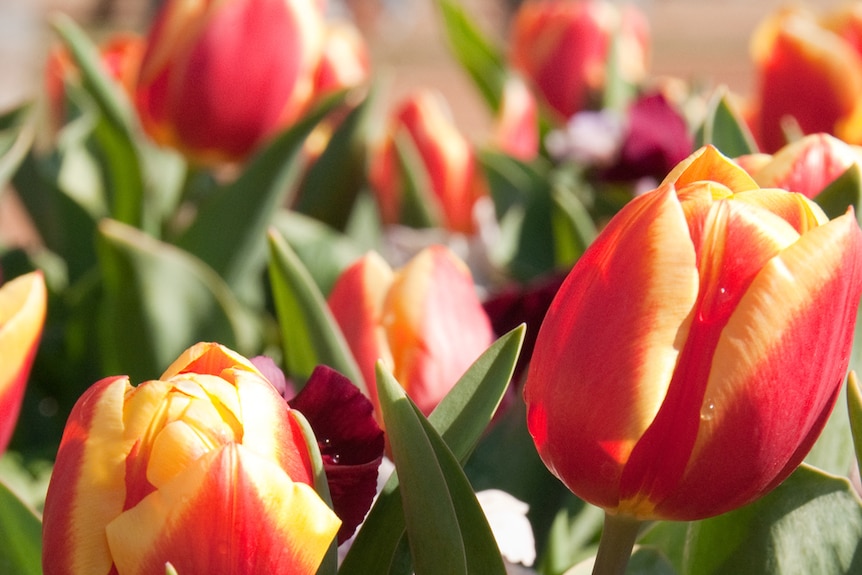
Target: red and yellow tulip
[(205, 468), (424, 321), (807, 72), (23, 302), (517, 124), (695, 351), (220, 76), (454, 176), (562, 47)]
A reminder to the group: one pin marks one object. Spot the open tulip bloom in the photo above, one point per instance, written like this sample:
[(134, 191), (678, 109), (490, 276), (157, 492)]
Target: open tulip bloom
[(694, 353)]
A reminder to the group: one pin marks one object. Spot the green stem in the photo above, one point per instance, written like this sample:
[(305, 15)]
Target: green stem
[(615, 546)]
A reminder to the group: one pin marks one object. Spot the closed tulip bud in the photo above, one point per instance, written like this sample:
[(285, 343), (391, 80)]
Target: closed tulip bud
[(807, 165), (220, 76), (517, 127), (454, 176), (695, 351), (808, 74), (562, 47), (424, 321), (344, 62), (205, 468), (22, 316)]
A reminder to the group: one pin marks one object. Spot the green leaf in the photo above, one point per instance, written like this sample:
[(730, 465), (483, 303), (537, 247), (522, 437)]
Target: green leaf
[(460, 418), (448, 533), (17, 130), (811, 523), (854, 408), (484, 62), (310, 335), (573, 536), (229, 230), (574, 229), (420, 207), (332, 183), (843, 192), (21, 534), (115, 132), (725, 128), (160, 300)]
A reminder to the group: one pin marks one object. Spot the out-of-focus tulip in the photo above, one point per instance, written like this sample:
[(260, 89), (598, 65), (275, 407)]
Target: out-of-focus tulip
[(206, 468), (121, 56), (517, 126), (807, 165), (23, 301), (806, 72), (448, 158), (219, 77), (695, 351), (562, 47), (344, 62), (424, 321)]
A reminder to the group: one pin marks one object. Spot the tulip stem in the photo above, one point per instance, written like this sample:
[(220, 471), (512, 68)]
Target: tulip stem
[(615, 546)]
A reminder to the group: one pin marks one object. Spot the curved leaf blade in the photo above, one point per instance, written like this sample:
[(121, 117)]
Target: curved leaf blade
[(21, 533)]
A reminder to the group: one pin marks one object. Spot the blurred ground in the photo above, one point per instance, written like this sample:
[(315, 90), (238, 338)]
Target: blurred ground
[(703, 40)]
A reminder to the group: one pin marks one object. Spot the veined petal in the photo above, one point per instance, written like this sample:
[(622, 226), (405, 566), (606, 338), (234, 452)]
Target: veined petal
[(254, 519), (207, 358), (800, 212), (709, 165), (23, 301), (269, 429), (87, 489), (633, 291), (775, 355)]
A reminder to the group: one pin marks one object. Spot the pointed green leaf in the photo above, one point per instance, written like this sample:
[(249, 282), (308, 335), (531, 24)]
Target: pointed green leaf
[(332, 182), (483, 61), (21, 534), (229, 230), (725, 128), (574, 229), (17, 130), (843, 192), (854, 407), (460, 418), (310, 335), (811, 523), (158, 301), (115, 132)]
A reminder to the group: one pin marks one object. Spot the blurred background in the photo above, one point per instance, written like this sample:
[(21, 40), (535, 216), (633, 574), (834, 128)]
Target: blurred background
[(706, 41)]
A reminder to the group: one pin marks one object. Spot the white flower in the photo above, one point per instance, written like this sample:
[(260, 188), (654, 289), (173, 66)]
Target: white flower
[(507, 517)]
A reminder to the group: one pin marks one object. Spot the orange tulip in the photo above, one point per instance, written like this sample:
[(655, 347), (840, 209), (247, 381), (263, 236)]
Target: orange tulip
[(424, 321), (807, 73), (221, 76), (205, 468), (450, 163), (517, 126), (23, 301), (562, 47), (695, 351)]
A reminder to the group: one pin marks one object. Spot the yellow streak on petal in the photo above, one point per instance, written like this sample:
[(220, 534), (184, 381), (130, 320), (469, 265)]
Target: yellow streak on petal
[(22, 313), (708, 164)]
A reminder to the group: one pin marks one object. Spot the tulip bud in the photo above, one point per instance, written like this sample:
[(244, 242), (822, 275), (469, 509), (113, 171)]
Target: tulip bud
[(205, 468), (562, 47), (22, 315), (517, 129), (344, 62), (808, 74), (424, 321), (219, 77), (695, 351), (450, 162)]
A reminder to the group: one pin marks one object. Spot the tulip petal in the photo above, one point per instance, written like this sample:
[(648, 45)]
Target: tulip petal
[(22, 314), (707, 164), (87, 489), (253, 518), (634, 287), (773, 357)]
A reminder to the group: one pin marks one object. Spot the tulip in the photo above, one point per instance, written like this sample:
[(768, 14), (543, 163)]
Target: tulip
[(562, 47), (450, 163), (695, 351), (517, 125), (807, 165), (424, 321), (344, 61), (23, 302), (807, 73), (206, 468), (219, 77)]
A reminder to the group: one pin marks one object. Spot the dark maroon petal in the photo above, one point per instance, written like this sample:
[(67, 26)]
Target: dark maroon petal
[(350, 441), (273, 373), (657, 139)]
